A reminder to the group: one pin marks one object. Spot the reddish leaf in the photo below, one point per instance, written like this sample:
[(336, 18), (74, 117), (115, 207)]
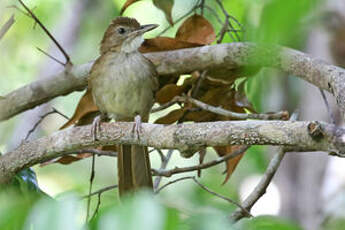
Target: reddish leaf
[(166, 6), (163, 44), (126, 5), (168, 92), (170, 117), (196, 29), (232, 163), (84, 107)]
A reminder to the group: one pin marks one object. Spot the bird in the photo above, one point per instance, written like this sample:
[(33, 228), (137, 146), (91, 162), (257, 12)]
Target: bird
[(123, 83)]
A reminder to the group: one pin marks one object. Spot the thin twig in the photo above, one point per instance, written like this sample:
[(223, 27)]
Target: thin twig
[(176, 170), (261, 187), (227, 22), (161, 155), (41, 119), (282, 115), (50, 56), (207, 190), (47, 32), (100, 191), (163, 166), (212, 11), (94, 151), (97, 206), (266, 179), (198, 84), (92, 176), (202, 5), (164, 106), (197, 5), (172, 182), (329, 110), (247, 213), (6, 26)]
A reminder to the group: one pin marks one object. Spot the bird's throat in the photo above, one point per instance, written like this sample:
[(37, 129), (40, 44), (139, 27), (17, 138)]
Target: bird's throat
[(132, 45)]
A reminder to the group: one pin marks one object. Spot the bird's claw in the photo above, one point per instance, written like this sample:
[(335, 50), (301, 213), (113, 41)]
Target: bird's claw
[(96, 127), (137, 128)]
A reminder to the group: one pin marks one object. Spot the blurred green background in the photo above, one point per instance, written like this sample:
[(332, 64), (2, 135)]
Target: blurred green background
[(79, 26)]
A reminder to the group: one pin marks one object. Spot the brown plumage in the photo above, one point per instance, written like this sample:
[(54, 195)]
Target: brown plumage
[(123, 83)]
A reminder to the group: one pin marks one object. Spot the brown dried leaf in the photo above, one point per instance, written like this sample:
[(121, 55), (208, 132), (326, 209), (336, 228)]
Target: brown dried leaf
[(196, 29), (170, 117), (166, 6), (126, 5), (86, 106), (202, 154), (163, 44), (168, 92), (232, 163)]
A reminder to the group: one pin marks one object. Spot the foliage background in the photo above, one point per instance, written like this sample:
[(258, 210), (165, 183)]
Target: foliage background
[(183, 205)]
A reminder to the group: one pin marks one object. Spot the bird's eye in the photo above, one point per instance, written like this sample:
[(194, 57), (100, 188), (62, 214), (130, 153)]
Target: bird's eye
[(121, 30)]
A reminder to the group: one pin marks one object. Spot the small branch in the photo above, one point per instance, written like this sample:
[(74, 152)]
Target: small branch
[(207, 190), (329, 110), (100, 191), (261, 187), (164, 164), (47, 32), (161, 155), (266, 179), (97, 206), (94, 151), (176, 170), (202, 5), (41, 119), (172, 182), (50, 56), (92, 176), (245, 211), (214, 13), (195, 91), (6, 26), (197, 5), (164, 106), (227, 23), (282, 115)]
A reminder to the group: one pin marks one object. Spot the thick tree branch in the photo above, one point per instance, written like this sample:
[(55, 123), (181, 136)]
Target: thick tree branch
[(299, 136), (225, 56)]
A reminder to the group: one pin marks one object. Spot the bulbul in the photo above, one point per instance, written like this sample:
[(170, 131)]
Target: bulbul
[(123, 83)]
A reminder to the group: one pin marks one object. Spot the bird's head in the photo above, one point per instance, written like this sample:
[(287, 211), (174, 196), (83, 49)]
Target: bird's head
[(124, 35)]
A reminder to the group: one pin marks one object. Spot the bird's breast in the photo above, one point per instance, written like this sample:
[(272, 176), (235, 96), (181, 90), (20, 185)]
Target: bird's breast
[(122, 84)]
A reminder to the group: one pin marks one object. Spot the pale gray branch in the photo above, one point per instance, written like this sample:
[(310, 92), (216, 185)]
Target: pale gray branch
[(299, 136), (225, 56), (6, 26)]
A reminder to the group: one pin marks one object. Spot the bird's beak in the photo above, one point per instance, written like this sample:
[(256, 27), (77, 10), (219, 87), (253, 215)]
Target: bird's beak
[(143, 29)]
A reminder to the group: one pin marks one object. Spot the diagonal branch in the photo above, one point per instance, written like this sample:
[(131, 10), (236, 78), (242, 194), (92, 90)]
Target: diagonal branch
[(4, 28), (176, 170), (68, 61), (299, 136), (226, 56), (262, 186)]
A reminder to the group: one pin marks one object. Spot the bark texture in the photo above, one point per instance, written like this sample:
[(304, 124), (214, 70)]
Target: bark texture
[(226, 56)]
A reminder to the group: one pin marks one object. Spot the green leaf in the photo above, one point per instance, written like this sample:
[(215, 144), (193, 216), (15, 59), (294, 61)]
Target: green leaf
[(27, 180), (267, 223), (139, 212), (55, 215)]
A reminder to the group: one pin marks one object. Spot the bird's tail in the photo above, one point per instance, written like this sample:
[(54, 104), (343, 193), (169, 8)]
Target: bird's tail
[(134, 169)]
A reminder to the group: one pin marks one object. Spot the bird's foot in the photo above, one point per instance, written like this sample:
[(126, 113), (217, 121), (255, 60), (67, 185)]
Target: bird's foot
[(96, 127), (137, 128)]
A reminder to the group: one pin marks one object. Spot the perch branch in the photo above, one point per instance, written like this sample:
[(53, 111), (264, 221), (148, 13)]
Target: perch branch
[(296, 135), (227, 56)]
